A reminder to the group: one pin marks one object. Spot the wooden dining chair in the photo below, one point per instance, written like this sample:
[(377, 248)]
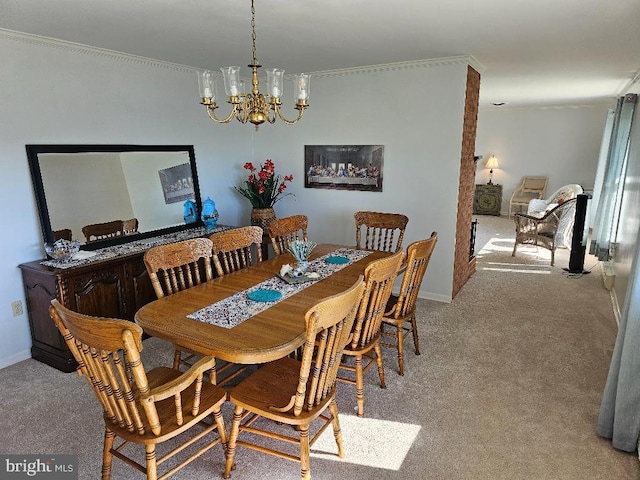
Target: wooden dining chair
[(102, 231), (175, 267), (379, 277), (380, 231), (140, 407), (297, 392), (401, 308), (281, 231), (233, 249), (63, 234), (130, 226)]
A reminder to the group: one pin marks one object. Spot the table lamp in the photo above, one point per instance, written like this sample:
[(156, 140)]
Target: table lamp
[(492, 163)]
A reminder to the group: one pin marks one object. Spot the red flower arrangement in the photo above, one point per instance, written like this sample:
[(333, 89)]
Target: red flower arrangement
[(264, 188)]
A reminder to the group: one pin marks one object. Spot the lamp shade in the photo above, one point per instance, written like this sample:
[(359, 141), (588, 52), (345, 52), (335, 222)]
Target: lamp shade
[(492, 162)]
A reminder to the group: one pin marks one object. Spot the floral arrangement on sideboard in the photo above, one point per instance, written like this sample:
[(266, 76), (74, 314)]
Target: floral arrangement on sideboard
[(263, 188)]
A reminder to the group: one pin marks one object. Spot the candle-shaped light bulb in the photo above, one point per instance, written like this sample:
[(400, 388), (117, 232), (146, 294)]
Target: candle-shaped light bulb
[(231, 80), (275, 79), (301, 87), (205, 82)]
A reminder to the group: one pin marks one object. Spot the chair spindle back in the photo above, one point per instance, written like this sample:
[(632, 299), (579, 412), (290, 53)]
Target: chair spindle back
[(329, 324), (379, 277), (382, 231), (284, 230), (233, 249), (176, 266), (418, 257), (108, 355)]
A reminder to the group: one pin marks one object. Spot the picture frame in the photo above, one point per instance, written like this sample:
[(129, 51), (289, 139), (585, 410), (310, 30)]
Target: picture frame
[(344, 167), (177, 183)]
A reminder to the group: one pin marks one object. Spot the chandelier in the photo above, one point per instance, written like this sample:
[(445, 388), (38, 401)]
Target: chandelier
[(253, 106)]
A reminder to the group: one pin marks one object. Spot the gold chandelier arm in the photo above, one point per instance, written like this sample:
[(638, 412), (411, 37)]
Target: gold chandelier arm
[(290, 122), (271, 113), (212, 114)]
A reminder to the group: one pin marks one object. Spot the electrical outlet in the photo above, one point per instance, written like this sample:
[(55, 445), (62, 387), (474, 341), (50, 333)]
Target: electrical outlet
[(16, 308)]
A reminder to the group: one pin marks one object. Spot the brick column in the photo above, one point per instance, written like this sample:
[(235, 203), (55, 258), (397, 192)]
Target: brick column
[(463, 267)]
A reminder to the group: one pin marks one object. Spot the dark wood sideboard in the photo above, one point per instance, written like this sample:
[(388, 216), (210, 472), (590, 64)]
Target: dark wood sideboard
[(113, 288)]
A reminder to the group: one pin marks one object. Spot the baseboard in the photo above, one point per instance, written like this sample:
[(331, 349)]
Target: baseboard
[(434, 296), (616, 306), (15, 358)]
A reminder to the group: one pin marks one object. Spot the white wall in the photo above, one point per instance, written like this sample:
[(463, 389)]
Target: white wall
[(57, 93), (559, 143), (422, 141)]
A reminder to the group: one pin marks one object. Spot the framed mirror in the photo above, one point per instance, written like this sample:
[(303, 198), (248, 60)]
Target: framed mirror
[(106, 195)]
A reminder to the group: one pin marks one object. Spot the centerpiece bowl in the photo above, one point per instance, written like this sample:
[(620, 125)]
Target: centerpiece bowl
[(62, 250)]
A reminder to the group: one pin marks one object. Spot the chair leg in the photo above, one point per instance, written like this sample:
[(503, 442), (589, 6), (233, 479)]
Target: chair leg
[(176, 359), (552, 256), (233, 438), (107, 457), (337, 433), (359, 385), (305, 462), (515, 245), (414, 327), (222, 430), (152, 471), (400, 336), (378, 351), (213, 375)]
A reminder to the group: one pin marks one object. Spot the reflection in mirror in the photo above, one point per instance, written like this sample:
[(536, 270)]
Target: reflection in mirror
[(107, 194)]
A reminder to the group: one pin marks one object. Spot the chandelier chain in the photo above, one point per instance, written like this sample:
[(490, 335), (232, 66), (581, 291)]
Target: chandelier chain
[(253, 33)]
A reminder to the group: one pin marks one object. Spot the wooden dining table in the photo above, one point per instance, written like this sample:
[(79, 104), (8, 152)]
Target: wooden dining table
[(268, 335)]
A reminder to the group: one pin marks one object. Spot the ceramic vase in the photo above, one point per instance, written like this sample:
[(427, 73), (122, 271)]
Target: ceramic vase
[(209, 214)]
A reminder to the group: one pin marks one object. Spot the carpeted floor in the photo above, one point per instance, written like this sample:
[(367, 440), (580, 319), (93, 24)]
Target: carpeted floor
[(508, 386)]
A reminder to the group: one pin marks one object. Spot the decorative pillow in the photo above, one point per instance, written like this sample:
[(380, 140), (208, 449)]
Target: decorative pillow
[(537, 207), (563, 196)]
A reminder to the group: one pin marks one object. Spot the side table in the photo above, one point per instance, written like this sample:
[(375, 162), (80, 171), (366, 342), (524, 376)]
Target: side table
[(487, 199)]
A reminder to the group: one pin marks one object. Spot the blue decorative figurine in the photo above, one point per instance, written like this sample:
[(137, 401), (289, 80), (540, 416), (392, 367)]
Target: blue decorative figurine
[(209, 214), (190, 212)]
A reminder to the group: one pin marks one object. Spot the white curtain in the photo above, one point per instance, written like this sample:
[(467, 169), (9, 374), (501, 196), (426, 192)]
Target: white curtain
[(610, 193), (619, 417)]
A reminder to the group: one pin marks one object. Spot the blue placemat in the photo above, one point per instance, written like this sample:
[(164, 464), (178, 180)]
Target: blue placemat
[(336, 259), (264, 295)]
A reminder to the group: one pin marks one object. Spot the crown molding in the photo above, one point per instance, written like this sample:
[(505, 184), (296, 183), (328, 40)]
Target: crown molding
[(146, 61), (414, 64), (92, 51), (597, 104)]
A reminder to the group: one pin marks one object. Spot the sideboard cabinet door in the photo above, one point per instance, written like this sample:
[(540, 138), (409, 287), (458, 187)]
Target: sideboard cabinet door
[(115, 289), (47, 345), (99, 293)]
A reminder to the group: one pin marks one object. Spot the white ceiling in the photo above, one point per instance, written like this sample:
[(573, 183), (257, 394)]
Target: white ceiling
[(535, 52)]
